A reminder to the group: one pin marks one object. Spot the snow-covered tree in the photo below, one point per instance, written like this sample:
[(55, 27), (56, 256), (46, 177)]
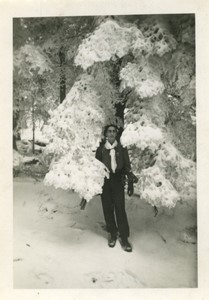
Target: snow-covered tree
[(31, 88), (156, 70), (75, 130), (43, 68)]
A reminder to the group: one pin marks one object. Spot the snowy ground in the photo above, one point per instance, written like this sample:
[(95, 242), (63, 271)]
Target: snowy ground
[(57, 245)]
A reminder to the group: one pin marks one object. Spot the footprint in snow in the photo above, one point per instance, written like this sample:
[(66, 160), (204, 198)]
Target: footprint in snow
[(17, 259), (114, 279), (47, 279)]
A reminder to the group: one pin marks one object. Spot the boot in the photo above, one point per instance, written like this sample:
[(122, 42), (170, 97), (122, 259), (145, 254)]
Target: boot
[(126, 245), (112, 240)]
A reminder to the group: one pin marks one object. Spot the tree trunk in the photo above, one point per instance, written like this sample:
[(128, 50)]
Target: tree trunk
[(33, 122), (62, 75), (15, 122), (120, 113), (14, 142), (120, 107), (120, 110), (15, 118)]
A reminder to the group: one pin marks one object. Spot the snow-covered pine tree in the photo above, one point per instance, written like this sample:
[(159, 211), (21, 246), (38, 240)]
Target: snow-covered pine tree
[(75, 130), (38, 75), (31, 84), (156, 59)]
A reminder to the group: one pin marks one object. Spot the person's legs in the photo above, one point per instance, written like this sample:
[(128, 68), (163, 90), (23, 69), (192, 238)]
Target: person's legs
[(108, 208), (119, 201), (117, 189)]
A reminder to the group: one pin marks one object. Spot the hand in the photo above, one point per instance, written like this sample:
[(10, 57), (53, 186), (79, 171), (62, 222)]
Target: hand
[(130, 188), (132, 178)]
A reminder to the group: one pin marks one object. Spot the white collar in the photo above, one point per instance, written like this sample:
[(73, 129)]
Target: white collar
[(109, 146)]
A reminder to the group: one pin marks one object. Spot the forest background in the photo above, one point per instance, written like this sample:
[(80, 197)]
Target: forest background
[(73, 76), (202, 34)]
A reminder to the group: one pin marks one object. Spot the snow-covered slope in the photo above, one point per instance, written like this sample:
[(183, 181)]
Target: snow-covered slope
[(56, 245)]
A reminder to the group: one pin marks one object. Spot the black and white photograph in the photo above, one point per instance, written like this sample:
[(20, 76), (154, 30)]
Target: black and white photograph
[(103, 150)]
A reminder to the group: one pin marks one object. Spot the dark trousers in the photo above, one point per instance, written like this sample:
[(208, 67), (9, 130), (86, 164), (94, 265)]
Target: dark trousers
[(113, 203)]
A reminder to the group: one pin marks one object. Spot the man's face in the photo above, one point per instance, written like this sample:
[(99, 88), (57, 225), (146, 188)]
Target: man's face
[(111, 134)]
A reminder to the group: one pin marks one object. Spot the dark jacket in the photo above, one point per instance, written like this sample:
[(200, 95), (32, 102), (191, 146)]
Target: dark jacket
[(122, 158)]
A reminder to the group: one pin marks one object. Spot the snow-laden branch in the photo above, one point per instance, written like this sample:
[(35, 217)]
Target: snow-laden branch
[(30, 58), (142, 136), (112, 40), (108, 41), (142, 78)]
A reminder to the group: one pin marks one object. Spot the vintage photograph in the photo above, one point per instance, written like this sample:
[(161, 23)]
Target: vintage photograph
[(104, 152)]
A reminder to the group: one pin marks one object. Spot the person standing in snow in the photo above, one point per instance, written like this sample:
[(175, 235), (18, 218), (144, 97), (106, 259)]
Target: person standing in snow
[(116, 159)]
